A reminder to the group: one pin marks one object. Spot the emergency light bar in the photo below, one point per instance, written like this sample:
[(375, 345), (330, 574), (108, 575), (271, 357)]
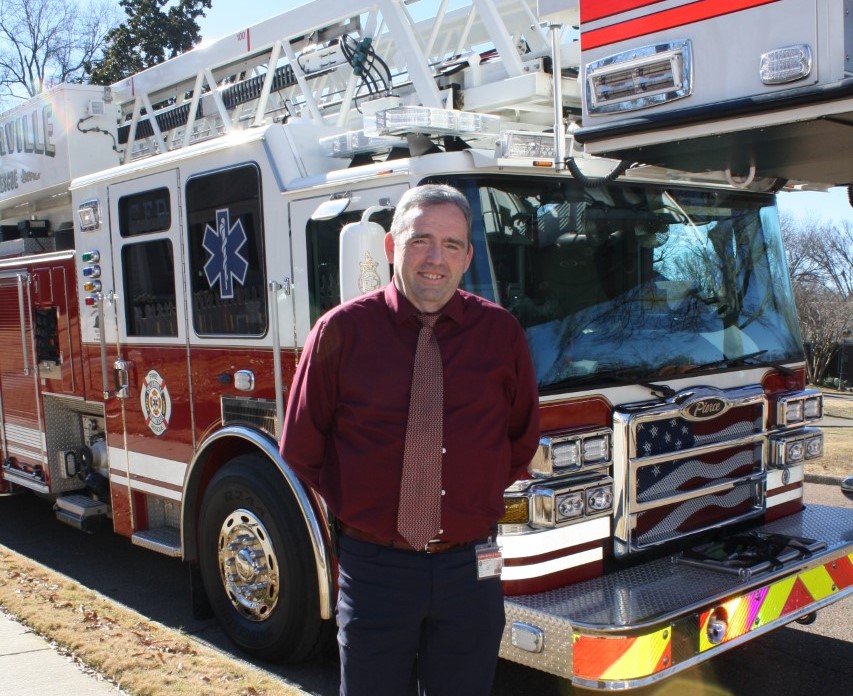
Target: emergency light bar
[(527, 145), (358, 142), (435, 122), (640, 78)]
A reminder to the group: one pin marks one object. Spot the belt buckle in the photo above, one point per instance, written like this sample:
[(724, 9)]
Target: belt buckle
[(438, 542)]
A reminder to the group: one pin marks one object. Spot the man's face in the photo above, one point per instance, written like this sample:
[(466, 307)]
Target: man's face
[(430, 255)]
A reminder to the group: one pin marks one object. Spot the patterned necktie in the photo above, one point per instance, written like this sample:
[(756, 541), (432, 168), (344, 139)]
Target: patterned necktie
[(419, 514)]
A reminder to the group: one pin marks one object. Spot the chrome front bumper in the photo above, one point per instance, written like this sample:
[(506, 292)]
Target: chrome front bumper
[(643, 623)]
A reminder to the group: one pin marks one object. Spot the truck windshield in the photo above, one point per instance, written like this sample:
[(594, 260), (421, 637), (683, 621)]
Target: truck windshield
[(638, 280)]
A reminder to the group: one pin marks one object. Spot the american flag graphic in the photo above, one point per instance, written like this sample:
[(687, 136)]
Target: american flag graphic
[(675, 433), (657, 482), (694, 515)]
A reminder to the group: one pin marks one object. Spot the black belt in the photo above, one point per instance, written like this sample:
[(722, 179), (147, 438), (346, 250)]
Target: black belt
[(435, 546)]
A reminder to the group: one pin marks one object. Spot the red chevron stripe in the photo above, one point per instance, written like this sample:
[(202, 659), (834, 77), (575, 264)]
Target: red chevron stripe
[(841, 572), (799, 597)]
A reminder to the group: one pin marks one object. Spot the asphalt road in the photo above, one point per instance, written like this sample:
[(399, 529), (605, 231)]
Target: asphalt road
[(791, 661)]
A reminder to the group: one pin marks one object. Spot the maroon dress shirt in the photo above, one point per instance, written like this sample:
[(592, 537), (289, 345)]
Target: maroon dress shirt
[(345, 425)]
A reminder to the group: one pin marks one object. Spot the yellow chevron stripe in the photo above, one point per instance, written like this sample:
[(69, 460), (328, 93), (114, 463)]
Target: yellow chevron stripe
[(774, 602), (818, 582), (644, 657)]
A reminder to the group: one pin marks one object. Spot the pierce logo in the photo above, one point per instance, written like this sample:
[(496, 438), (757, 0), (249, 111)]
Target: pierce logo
[(706, 408)]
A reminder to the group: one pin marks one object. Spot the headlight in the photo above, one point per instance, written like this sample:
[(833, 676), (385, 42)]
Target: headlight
[(794, 452), (569, 505), (799, 407), (813, 409), (553, 507), (794, 412), (794, 447), (566, 455), (599, 498), (596, 449), (814, 447), (566, 452)]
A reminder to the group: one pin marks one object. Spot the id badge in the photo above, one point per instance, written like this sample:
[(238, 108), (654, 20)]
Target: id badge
[(489, 560)]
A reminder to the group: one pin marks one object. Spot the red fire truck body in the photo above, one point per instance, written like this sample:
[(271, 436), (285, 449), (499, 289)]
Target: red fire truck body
[(168, 243)]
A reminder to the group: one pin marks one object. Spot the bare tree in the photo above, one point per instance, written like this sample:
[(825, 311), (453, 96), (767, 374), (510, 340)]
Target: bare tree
[(820, 260), (824, 318), (834, 256), (46, 42)]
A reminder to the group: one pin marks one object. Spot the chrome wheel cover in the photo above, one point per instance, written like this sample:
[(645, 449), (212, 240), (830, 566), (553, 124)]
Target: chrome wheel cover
[(248, 566)]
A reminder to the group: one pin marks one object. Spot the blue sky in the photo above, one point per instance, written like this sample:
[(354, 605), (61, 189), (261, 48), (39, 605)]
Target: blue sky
[(229, 16)]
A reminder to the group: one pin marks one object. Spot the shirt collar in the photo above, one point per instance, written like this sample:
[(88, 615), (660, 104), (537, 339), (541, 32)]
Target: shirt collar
[(402, 310)]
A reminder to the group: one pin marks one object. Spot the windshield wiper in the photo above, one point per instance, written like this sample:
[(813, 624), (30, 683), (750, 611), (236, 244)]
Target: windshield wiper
[(619, 376), (748, 360)]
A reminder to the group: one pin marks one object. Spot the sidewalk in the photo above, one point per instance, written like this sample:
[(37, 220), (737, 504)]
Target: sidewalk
[(31, 667)]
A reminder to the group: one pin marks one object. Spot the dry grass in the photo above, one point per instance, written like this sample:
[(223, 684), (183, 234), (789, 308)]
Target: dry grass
[(837, 460), (838, 408), (142, 657)]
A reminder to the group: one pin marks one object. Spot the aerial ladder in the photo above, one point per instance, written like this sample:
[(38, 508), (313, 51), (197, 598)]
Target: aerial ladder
[(335, 65)]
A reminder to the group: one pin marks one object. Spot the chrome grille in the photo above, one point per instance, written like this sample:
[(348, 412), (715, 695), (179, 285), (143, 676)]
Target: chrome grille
[(660, 524), (659, 481), (683, 473), (259, 413)]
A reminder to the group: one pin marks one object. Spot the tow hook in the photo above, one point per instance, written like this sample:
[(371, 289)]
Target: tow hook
[(718, 624)]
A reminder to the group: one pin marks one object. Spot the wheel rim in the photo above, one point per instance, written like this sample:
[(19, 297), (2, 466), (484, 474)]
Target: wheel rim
[(248, 565)]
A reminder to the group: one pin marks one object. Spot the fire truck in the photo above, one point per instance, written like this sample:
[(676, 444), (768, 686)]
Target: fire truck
[(168, 241)]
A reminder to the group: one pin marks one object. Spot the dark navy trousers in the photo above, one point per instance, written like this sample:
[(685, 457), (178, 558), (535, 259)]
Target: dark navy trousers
[(399, 610)]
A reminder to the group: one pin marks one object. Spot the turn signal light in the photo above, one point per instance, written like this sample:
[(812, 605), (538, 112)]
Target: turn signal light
[(516, 511)]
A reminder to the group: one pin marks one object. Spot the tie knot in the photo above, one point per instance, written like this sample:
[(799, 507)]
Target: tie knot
[(428, 319)]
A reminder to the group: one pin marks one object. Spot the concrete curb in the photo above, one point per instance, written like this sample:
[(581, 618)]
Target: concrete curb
[(826, 480)]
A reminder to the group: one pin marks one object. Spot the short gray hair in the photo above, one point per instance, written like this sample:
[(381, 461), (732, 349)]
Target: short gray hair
[(426, 195)]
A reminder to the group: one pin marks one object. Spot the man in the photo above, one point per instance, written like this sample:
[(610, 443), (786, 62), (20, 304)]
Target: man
[(412, 592)]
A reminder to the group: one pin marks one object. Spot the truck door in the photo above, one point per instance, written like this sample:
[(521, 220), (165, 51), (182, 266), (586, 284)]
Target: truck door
[(20, 416), (148, 457)]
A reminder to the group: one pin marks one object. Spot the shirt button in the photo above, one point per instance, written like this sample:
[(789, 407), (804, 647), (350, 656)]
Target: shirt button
[(443, 492), (441, 531), (444, 450)]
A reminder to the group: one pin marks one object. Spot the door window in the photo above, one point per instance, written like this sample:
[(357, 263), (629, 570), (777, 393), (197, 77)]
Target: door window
[(226, 251), (148, 267)]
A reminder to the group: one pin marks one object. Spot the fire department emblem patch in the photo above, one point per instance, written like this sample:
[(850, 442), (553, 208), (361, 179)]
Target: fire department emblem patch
[(156, 403), (368, 279)]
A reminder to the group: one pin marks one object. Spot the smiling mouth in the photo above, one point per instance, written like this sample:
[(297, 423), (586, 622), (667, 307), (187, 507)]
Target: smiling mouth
[(432, 276)]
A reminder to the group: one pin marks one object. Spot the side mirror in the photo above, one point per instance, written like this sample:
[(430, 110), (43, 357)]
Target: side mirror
[(362, 262)]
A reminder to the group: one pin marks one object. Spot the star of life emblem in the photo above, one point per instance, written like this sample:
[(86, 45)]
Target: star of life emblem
[(226, 264), (368, 279), (156, 402)]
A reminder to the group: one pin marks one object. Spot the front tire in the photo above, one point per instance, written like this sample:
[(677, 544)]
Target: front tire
[(257, 564)]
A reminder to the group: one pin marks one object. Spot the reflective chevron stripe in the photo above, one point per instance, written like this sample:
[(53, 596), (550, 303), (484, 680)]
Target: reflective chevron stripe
[(617, 658), (753, 610)]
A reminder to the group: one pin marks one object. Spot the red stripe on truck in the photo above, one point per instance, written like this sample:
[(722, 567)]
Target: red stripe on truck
[(667, 19)]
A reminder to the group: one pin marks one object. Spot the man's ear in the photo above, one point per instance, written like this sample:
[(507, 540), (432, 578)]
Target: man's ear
[(389, 247)]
